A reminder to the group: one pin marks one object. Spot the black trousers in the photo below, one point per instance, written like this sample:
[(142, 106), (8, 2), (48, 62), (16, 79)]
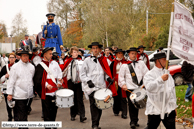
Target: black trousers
[(9, 110), (29, 104), (20, 110), (78, 100), (169, 121), (133, 111), (49, 108), (120, 103), (95, 112)]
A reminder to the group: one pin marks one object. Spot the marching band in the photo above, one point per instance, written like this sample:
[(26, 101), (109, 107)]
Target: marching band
[(107, 79)]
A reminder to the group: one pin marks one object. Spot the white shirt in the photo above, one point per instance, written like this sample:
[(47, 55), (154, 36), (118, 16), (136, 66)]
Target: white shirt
[(143, 58), (92, 71), (109, 62), (20, 83), (37, 59), (56, 72), (155, 88), (4, 61), (125, 75), (78, 67)]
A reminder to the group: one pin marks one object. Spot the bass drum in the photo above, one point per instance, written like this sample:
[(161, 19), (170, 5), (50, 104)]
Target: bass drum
[(75, 70)]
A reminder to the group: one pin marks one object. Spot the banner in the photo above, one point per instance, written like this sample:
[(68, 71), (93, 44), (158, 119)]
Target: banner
[(183, 33)]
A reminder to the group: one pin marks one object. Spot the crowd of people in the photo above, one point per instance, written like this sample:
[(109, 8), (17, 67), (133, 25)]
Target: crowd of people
[(43, 72)]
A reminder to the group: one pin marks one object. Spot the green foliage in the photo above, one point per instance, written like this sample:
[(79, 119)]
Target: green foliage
[(162, 39)]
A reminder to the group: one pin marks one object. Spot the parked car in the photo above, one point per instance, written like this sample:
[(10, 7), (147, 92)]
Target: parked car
[(86, 53), (175, 71), (173, 60), (148, 52)]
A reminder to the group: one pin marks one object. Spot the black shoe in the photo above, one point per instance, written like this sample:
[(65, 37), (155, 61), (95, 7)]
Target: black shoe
[(133, 126), (137, 125), (82, 119), (116, 114), (72, 118), (9, 119), (124, 116)]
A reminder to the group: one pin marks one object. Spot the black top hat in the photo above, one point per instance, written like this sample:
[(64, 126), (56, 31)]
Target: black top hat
[(23, 52), (46, 49), (132, 49), (158, 55), (50, 14), (94, 44), (119, 50), (55, 53), (34, 49), (141, 46), (82, 51)]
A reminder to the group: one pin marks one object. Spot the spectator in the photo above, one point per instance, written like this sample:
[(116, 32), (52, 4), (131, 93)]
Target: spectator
[(187, 71), (4, 60)]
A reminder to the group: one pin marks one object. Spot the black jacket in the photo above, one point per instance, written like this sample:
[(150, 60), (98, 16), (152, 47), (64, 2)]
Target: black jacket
[(187, 70)]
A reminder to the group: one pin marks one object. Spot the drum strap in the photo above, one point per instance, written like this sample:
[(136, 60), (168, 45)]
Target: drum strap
[(133, 75), (48, 71)]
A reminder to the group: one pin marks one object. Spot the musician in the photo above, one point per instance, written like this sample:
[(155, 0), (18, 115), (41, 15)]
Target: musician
[(120, 102), (81, 53), (108, 55), (76, 87), (143, 56), (44, 85), (94, 72), (4, 60), (154, 81), (17, 57), (20, 86), (131, 78), (27, 42), (4, 75), (56, 57), (36, 56), (52, 34)]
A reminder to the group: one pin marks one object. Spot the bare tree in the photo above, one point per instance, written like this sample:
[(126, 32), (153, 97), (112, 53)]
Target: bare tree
[(19, 28)]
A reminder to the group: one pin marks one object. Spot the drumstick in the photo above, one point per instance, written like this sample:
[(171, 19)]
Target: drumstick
[(142, 87), (105, 100), (130, 91)]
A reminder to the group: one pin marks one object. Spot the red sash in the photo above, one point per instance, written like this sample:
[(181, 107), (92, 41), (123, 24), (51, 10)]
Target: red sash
[(50, 82), (103, 62), (116, 75)]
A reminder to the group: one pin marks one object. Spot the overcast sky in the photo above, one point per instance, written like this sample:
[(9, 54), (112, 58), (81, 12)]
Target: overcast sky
[(33, 11)]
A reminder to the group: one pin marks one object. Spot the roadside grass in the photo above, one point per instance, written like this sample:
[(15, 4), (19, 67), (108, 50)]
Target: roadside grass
[(184, 109)]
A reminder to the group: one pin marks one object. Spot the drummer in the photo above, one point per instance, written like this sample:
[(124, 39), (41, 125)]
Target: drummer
[(120, 102), (44, 85), (131, 79), (76, 87), (81, 53), (5, 76), (94, 72), (154, 82)]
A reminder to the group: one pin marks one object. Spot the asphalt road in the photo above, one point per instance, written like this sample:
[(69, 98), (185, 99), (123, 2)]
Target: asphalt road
[(108, 120)]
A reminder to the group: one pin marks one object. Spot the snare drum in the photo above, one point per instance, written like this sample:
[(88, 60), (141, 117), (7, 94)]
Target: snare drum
[(139, 98), (100, 96), (64, 98)]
